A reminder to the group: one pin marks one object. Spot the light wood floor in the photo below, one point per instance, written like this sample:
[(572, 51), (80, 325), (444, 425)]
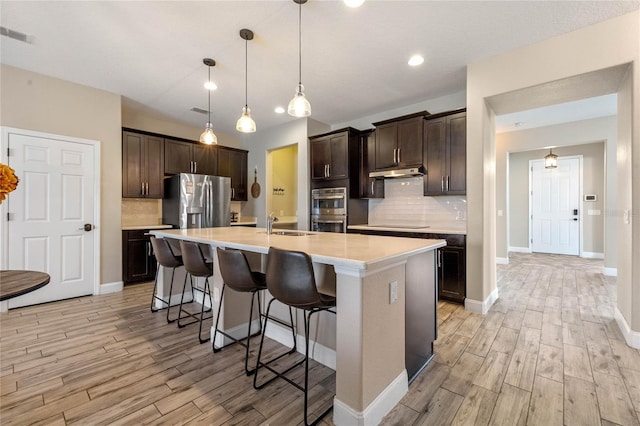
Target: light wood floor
[(549, 352)]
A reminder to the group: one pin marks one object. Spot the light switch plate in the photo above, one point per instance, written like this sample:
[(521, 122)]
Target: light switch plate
[(393, 292)]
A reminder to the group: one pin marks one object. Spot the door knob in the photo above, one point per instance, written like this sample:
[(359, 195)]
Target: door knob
[(87, 227)]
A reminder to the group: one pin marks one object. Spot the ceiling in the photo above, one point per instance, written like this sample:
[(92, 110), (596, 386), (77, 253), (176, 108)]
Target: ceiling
[(354, 61)]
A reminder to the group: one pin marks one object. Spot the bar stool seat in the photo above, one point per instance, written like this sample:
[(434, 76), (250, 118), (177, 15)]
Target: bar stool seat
[(291, 281), (237, 274), (196, 266), (167, 259)]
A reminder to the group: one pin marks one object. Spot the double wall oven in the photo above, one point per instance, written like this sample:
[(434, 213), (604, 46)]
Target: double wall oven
[(329, 209)]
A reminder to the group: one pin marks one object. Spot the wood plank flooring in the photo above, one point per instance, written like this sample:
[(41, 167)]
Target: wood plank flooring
[(549, 352)]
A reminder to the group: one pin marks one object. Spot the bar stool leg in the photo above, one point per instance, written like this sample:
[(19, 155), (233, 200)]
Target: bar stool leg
[(206, 292), (155, 287), (215, 330), (173, 273)]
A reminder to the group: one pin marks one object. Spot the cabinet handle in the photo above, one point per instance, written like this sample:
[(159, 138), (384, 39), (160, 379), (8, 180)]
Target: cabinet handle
[(398, 155), (233, 193), (442, 184), (148, 249), (439, 258), (146, 188), (195, 167), (394, 155), (448, 183), (372, 183), (141, 188), (328, 170)]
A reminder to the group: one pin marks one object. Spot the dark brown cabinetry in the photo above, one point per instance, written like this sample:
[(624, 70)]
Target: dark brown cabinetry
[(232, 163), (142, 165), (398, 142), (445, 153), (138, 261), (189, 157), (334, 155), (369, 187)]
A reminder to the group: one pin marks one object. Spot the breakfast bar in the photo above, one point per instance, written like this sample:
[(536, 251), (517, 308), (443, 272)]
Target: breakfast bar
[(372, 277)]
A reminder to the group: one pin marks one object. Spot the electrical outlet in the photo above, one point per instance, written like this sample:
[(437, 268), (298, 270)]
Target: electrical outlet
[(393, 292), (216, 294)]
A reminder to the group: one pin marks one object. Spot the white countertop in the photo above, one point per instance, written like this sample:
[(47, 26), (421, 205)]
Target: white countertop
[(338, 249), (138, 227), (431, 229)]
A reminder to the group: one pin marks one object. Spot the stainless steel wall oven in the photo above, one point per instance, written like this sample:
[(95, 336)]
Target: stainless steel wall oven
[(329, 209)]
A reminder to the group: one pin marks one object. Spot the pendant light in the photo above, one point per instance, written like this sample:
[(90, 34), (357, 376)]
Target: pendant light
[(245, 123), (550, 160), (299, 105), (208, 137)]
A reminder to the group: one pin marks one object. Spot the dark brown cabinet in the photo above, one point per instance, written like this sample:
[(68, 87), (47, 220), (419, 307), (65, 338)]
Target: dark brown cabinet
[(330, 154), (189, 157), (398, 142), (369, 187), (445, 153), (138, 261), (232, 163), (142, 165), (452, 268)]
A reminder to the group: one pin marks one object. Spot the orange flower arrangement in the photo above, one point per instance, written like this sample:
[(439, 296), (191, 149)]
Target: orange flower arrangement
[(8, 181)]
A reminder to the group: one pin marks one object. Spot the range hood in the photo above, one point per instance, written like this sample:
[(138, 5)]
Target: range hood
[(399, 173)]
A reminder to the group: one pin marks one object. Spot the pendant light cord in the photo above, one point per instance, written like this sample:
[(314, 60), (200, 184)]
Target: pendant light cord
[(209, 93), (300, 43), (246, 72)]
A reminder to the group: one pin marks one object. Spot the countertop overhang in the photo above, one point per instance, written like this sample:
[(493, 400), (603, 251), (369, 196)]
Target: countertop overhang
[(354, 251)]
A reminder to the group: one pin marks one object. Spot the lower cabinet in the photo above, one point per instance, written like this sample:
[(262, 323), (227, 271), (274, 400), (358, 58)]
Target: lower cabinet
[(138, 261)]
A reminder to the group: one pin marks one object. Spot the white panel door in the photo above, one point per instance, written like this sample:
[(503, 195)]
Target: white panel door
[(555, 200), (49, 210)]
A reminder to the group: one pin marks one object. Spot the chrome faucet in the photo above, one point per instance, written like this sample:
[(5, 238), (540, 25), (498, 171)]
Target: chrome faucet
[(271, 219)]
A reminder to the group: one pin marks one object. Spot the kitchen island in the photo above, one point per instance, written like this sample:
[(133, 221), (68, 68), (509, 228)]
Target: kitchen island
[(372, 275)]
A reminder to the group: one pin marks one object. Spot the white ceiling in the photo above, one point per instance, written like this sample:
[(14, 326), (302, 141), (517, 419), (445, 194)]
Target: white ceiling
[(354, 60)]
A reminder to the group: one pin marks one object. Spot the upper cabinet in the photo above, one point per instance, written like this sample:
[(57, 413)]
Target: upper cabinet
[(189, 157), (332, 155), (232, 163), (142, 165), (369, 187), (398, 142), (445, 153)]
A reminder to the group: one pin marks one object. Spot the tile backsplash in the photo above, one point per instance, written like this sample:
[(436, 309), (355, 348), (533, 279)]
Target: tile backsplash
[(140, 211), (405, 204)]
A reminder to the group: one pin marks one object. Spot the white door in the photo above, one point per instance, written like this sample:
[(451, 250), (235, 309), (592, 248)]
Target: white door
[(55, 199), (554, 204)]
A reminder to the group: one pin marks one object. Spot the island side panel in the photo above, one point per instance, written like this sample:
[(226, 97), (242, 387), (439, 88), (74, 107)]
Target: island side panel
[(370, 335)]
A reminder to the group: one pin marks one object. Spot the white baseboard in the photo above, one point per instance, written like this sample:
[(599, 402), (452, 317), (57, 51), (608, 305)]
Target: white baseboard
[(502, 260), (520, 249), (481, 307), (4, 306), (174, 300), (375, 412), (610, 272), (631, 337), (592, 255), (238, 332), (107, 288), (324, 355)]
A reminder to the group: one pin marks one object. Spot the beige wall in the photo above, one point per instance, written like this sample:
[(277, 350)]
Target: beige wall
[(579, 132), (592, 183), (36, 102), (607, 44)]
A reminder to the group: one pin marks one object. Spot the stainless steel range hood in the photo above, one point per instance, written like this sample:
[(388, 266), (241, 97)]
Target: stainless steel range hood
[(399, 173)]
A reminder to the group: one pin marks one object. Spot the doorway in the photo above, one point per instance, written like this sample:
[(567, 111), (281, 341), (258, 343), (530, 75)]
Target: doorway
[(555, 206), (54, 213), (282, 186)]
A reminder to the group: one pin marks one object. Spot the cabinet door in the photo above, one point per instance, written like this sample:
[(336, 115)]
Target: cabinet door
[(233, 164), (451, 274), (132, 165), (178, 157), (154, 164), (339, 164), (457, 154), (369, 187), (205, 159), (434, 152), (320, 154), (410, 142), (386, 139), (137, 257)]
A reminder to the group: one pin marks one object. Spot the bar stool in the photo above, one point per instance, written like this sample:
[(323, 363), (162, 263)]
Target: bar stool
[(236, 274), (197, 266), (167, 259), (290, 280)]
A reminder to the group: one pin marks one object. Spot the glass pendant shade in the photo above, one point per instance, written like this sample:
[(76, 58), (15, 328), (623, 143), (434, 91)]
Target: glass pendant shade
[(208, 137), (245, 123), (299, 105), (550, 161)]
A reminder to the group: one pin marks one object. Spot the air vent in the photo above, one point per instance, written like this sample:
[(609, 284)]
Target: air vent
[(200, 110), (16, 35)]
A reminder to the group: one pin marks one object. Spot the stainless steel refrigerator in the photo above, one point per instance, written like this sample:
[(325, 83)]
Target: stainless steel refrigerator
[(196, 201)]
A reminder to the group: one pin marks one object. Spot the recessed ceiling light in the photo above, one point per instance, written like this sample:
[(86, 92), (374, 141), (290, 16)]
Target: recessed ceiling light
[(353, 3), (210, 85), (279, 110), (416, 60)]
